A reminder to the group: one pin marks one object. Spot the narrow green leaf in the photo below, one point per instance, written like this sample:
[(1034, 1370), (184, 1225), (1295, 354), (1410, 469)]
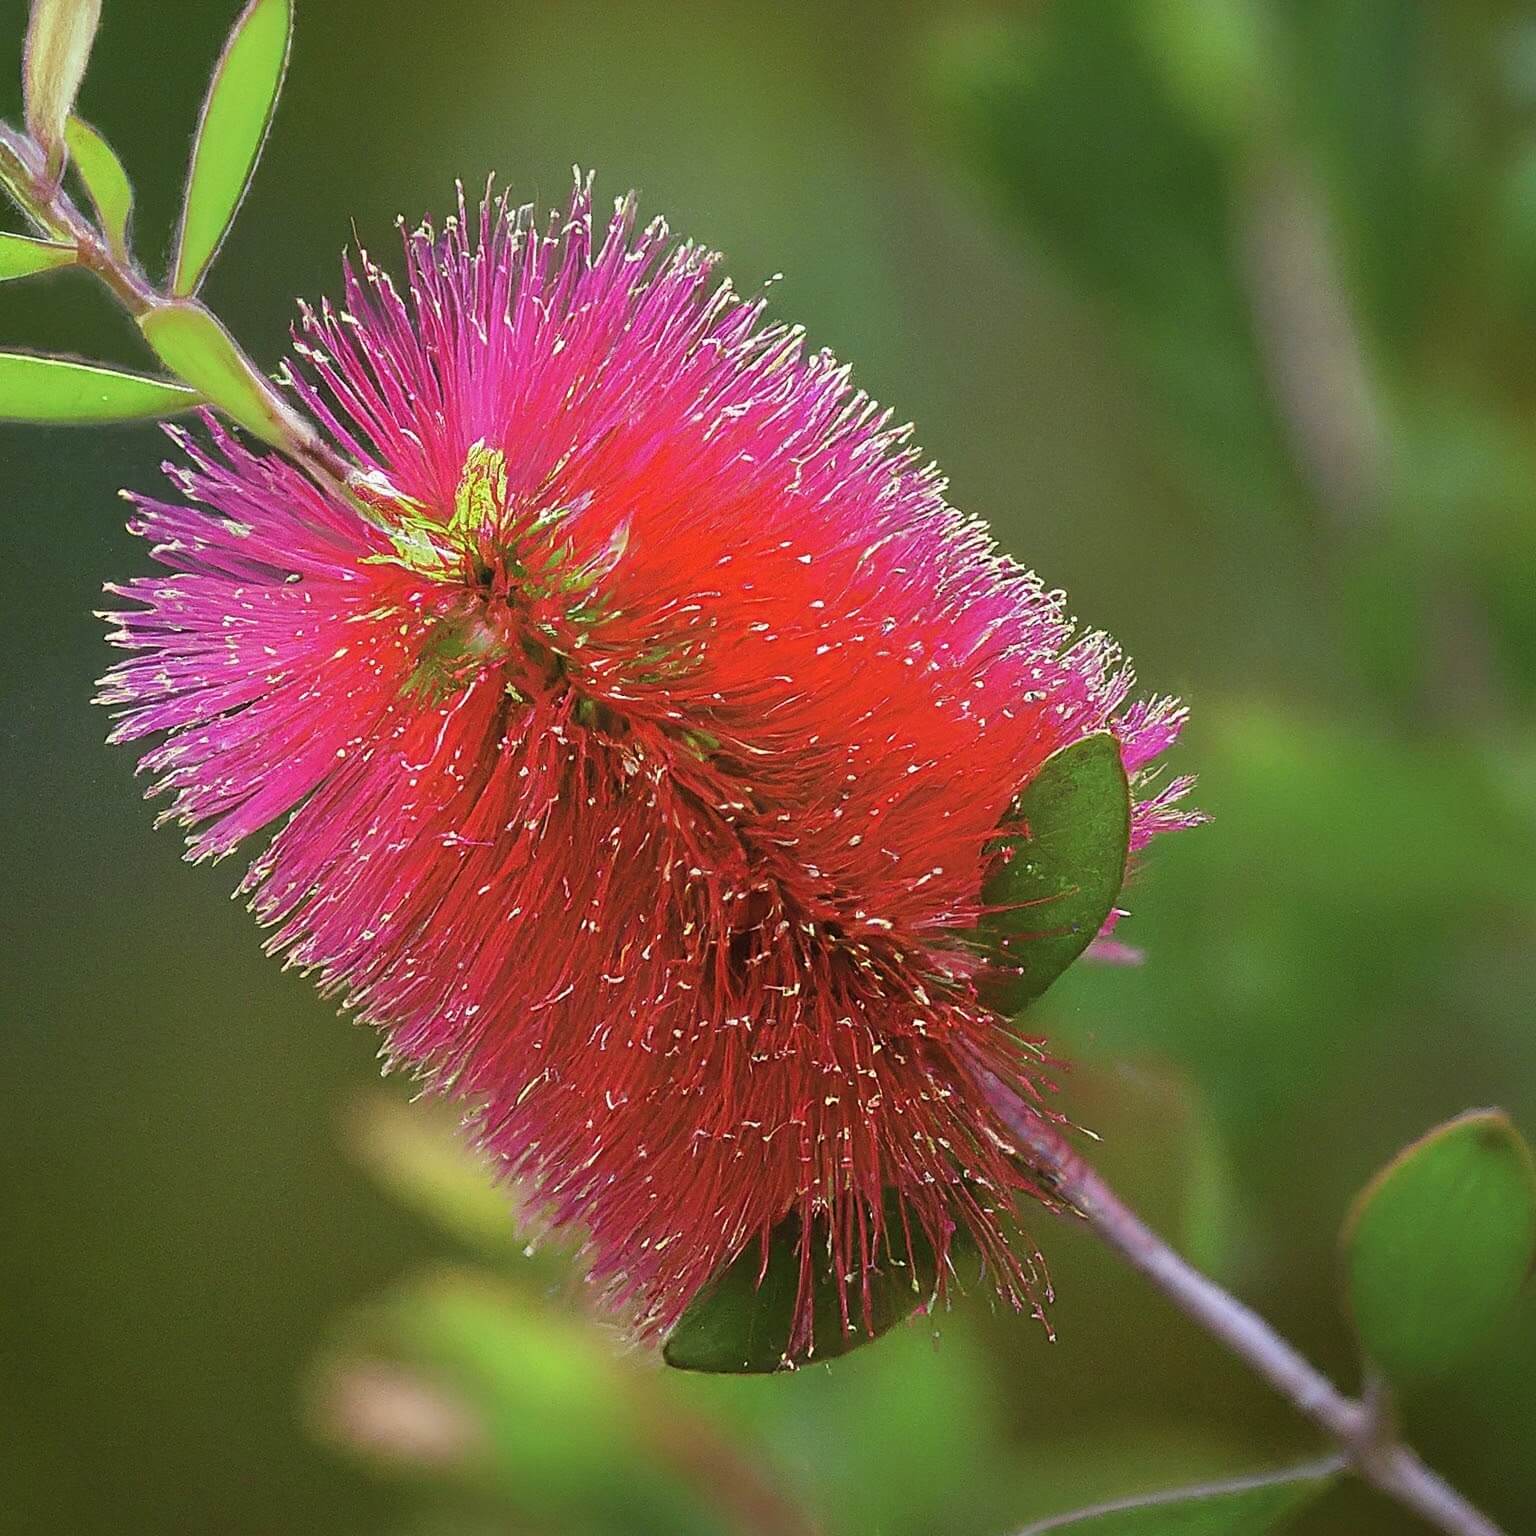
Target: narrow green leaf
[(34, 388), (420, 1157), (1052, 887), (58, 48), (1246, 1506), (104, 178), (1439, 1245), (740, 1325), (237, 113), (21, 256), (193, 345)]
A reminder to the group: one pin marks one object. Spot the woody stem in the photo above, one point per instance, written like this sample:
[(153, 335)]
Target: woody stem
[(1363, 1435)]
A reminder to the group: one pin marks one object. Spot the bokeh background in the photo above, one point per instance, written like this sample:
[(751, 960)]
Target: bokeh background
[(1223, 312)]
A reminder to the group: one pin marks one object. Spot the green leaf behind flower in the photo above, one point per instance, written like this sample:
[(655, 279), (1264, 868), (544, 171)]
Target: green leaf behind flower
[(1249, 1506), (1055, 881), (1439, 1245), (237, 113), (740, 1322), (60, 389), (102, 173), (21, 256)]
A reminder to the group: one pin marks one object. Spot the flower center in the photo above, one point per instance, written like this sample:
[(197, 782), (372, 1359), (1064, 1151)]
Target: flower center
[(519, 598)]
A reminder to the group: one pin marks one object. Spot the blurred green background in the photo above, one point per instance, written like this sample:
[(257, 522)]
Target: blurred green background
[(1223, 313)]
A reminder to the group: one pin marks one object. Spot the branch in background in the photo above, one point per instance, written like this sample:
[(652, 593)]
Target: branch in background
[(1310, 344)]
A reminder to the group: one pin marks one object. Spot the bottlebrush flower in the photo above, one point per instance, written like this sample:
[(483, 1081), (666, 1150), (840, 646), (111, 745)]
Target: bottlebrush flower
[(641, 732)]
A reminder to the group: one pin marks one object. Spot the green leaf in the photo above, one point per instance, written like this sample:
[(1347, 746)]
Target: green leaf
[(237, 113), (1439, 1245), (1052, 888), (514, 1377), (34, 388), (21, 256), (105, 179), (59, 42), (739, 1324), (526, 1404), (418, 1154), (1247, 1506), (192, 344)]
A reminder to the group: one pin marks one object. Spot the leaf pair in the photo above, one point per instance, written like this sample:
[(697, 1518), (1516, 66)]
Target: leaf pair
[(186, 337), (102, 175), (232, 129)]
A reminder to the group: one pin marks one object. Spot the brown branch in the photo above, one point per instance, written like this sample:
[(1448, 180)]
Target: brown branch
[(1363, 1435)]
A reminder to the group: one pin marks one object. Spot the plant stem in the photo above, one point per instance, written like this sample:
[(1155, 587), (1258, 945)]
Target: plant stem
[(1363, 1434), (42, 198)]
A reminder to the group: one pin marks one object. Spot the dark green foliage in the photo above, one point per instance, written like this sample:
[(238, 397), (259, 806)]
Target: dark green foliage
[(1052, 887), (740, 1322)]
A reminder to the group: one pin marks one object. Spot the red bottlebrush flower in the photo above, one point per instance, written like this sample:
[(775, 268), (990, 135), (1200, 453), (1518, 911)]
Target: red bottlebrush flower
[(641, 731)]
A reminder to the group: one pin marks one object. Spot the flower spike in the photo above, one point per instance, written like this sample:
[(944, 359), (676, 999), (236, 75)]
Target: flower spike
[(643, 753)]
